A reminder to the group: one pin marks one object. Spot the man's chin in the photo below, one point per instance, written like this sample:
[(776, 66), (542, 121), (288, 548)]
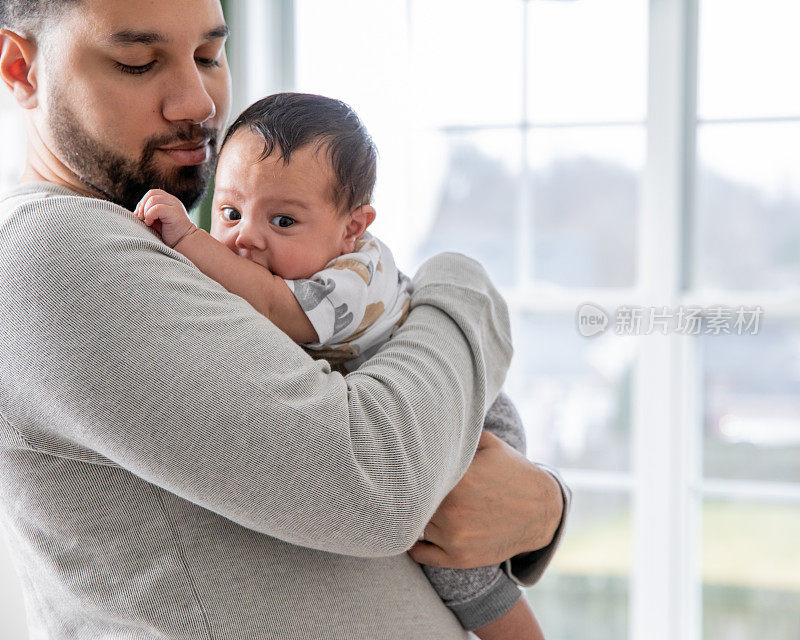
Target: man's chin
[(188, 183)]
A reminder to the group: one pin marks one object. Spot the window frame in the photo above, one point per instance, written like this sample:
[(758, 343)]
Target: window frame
[(665, 482)]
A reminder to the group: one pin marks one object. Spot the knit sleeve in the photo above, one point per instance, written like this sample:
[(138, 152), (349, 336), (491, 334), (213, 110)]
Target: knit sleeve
[(118, 346)]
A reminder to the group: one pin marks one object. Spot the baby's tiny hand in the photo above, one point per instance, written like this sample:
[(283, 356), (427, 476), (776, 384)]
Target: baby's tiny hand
[(166, 214)]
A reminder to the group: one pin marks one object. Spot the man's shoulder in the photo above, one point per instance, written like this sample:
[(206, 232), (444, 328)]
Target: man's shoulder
[(36, 212), (49, 199)]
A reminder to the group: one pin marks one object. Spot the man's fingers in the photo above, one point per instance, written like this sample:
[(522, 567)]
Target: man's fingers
[(432, 533), (435, 556), (428, 553), (487, 439)]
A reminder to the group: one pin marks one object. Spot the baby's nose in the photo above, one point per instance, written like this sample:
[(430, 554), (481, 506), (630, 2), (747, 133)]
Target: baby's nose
[(249, 238)]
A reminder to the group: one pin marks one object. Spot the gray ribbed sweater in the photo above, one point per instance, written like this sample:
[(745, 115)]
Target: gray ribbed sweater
[(173, 466)]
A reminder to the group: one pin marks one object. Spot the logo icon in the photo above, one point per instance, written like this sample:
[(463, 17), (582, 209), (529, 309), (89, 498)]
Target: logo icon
[(592, 320)]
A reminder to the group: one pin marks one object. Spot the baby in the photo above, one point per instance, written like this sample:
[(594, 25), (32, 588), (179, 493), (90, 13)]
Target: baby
[(290, 215)]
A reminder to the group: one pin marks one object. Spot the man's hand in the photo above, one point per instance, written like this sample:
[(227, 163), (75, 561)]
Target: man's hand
[(167, 213), (504, 505)]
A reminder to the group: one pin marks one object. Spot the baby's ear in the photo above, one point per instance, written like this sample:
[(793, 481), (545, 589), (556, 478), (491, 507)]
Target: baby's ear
[(359, 220)]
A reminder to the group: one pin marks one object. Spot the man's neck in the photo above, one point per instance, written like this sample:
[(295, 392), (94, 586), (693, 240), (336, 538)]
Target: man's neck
[(41, 165), (32, 174)]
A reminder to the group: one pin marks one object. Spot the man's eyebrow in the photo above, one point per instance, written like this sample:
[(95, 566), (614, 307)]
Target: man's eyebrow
[(131, 36), (221, 31)]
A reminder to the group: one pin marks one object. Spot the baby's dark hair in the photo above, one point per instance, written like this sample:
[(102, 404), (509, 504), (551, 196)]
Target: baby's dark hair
[(289, 121)]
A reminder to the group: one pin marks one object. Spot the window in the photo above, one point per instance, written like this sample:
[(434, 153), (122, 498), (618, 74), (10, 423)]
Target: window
[(626, 154), (746, 233)]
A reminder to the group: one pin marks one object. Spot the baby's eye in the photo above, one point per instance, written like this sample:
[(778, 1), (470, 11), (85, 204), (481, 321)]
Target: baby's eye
[(230, 214), (282, 221)]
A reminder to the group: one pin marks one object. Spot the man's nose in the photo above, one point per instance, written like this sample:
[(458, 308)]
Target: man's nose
[(188, 98)]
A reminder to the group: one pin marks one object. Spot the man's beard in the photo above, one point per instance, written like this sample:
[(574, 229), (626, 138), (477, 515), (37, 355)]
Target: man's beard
[(120, 179)]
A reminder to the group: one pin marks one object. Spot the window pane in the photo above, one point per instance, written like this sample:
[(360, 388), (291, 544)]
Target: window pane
[(469, 183), (748, 206), (748, 58), (587, 61), (752, 403), (574, 394), (585, 194), (584, 594), (751, 581), (467, 61), (353, 50)]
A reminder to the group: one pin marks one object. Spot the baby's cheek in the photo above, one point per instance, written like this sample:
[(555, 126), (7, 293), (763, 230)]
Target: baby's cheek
[(219, 235), (214, 232), (300, 260)]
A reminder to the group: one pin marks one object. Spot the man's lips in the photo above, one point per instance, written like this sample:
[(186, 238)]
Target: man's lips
[(189, 153)]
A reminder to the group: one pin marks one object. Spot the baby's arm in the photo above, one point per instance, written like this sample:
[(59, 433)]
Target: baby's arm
[(267, 293)]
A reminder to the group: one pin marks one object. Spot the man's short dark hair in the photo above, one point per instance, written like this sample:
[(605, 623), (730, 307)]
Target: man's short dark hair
[(289, 121), (28, 15)]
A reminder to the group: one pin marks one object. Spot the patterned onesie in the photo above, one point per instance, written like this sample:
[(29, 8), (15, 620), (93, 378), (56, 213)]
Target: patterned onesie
[(354, 304)]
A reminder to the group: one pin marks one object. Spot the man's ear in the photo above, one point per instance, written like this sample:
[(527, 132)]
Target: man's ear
[(17, 55), (359, 220)]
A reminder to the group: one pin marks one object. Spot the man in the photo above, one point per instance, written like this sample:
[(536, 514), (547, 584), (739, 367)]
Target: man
[(173, 466)]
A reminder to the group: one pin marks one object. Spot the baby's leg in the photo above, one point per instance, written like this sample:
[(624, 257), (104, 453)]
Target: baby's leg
[(518, 623)]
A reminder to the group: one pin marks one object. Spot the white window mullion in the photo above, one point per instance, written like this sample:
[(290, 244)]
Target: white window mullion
[(525, 215), (690, 511), (661, 606)]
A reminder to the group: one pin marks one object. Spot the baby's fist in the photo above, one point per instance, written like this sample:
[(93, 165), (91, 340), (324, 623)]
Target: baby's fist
[(166, 214)]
